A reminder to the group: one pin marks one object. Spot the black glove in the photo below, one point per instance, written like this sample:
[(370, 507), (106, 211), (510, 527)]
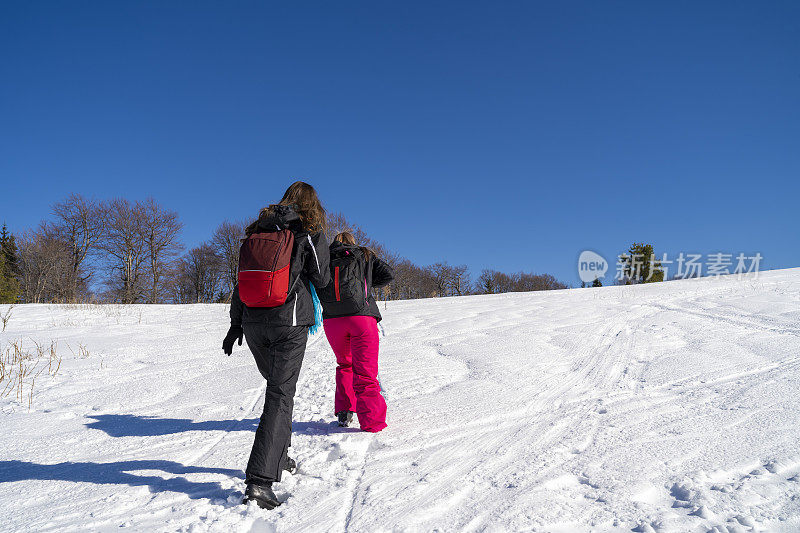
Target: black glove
[(234, 333)]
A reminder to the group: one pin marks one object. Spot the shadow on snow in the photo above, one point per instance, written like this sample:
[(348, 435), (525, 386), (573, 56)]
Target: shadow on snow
[(320, 428), (150, 426), (124, 472), (120, 473)]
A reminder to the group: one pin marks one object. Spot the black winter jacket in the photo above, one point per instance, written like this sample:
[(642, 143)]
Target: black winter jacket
[(309, 262), (378, 274)]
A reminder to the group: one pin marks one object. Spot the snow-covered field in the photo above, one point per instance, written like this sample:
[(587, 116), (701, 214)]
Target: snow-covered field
[(670, 407)]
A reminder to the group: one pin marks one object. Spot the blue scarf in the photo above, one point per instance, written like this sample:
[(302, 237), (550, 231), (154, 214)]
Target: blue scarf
[(317, 311)]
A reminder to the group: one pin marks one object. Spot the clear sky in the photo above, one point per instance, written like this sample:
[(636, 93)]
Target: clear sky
[(508, 135)]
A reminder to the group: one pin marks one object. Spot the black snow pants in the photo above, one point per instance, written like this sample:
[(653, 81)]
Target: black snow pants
[(278, 351)]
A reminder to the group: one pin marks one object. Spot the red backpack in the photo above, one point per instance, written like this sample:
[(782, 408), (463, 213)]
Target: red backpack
[(264, 264)]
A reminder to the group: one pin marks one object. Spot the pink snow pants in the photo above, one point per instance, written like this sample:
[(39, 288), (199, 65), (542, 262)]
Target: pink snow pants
[(354, 340)]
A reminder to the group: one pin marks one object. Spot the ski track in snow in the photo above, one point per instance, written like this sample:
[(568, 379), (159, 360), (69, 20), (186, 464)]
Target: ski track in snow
[(671, 407)]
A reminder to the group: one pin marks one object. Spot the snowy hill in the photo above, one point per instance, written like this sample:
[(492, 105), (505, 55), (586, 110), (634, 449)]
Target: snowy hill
[(671, 407)]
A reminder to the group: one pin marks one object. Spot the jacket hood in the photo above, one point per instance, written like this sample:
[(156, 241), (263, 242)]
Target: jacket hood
[(338, 248), (282, 217)]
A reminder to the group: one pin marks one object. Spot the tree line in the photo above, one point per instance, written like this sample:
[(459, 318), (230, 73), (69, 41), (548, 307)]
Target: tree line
[(131, 252)]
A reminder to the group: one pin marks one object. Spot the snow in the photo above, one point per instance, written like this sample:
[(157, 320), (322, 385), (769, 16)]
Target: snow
[(667, 407)]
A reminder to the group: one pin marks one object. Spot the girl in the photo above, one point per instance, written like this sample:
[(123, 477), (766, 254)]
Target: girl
[(277, 335), (351, 324)]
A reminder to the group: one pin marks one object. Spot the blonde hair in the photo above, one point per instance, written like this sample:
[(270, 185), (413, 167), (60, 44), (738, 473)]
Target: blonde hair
[(346, 237)]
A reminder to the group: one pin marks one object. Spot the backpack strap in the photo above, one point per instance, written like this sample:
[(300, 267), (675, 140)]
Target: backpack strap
[(291, 287)]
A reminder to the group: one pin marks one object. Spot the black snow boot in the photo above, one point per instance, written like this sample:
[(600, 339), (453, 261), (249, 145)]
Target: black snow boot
[(345, 418), (262, 495), (291, 465)]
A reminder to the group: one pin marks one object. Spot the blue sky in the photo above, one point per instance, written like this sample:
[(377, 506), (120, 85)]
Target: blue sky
[(507, 135)]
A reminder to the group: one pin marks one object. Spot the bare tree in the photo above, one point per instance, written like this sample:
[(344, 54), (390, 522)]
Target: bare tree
[(526, 282), (226, 242), (46, 267), (440, 272), (487, 282), (450, 280), (181, 290), (80, 223), (126, 252), (159, 232), (494, 282), (459, 280), (199, 276), (411, 281), (336, 223)]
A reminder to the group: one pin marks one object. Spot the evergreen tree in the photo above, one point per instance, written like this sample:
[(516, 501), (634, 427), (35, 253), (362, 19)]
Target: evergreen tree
[(8, 248), (597, 283), (9, 286), (639, 264), (9, 268)]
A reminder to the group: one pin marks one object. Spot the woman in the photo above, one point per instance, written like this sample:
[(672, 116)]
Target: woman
[(350, 318), (277, 335)]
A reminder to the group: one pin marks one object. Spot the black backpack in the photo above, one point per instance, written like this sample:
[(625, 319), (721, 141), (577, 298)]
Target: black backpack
[(347, 292)]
